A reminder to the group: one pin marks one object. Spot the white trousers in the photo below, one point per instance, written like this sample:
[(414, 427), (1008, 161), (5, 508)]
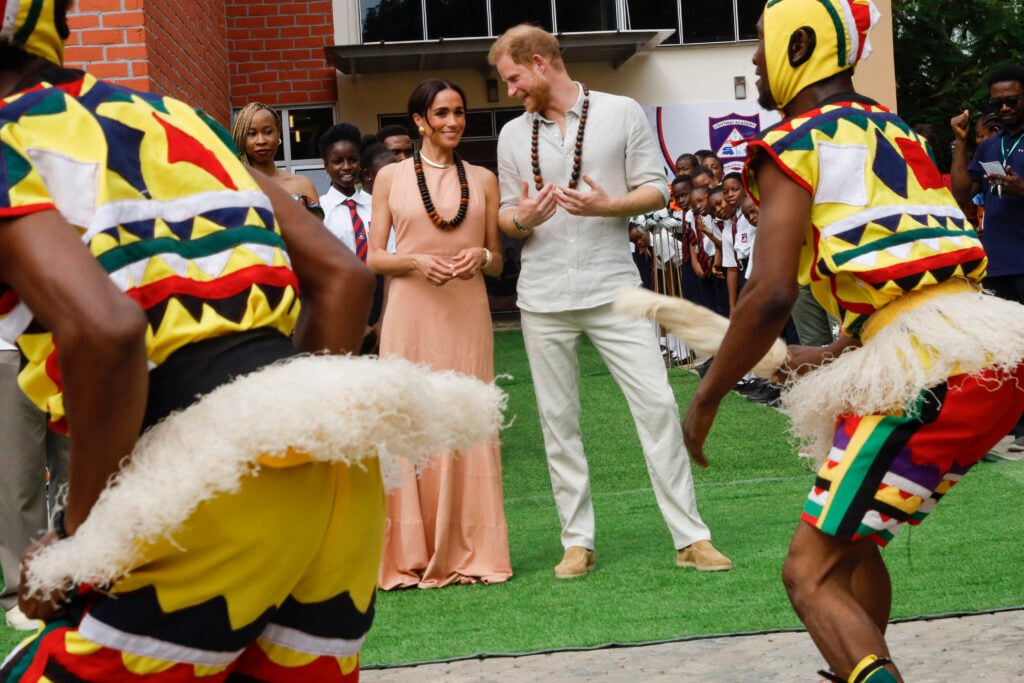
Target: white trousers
[(632, 355)]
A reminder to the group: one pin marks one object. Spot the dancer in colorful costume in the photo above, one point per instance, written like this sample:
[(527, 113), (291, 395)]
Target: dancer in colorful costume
[(924, 379), (141, 265)]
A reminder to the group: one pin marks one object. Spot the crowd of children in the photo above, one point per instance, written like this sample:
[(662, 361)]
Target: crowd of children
[(700, 246)]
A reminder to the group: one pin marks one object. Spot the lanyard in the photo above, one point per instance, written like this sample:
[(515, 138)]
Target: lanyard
[(1002, 148)]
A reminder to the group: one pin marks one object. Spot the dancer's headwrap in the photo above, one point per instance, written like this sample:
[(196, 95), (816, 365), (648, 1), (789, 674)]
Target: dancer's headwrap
[(840, 30), (32, 26)]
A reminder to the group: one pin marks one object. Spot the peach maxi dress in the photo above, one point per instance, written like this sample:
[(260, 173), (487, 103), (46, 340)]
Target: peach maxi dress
[(448, 525)]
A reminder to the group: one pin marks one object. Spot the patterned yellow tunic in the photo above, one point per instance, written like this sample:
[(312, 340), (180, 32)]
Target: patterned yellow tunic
[(883, 222), (197, 247)]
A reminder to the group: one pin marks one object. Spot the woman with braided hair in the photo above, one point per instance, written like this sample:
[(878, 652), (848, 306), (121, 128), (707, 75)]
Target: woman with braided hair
[(258, 136)]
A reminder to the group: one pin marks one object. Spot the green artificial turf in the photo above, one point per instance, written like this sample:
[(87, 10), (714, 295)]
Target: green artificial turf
[(965, 558), (751, 497)]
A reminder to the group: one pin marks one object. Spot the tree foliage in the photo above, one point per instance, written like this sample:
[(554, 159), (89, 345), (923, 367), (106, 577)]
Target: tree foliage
[(944, 51)]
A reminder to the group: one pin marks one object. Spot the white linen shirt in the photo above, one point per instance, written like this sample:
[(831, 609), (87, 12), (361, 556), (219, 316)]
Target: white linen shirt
[(578, 262)]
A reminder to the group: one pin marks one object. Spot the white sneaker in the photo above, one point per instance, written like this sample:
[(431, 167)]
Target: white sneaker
[(17, 620)]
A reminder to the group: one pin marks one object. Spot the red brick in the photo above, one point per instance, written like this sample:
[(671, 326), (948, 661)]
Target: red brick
[(115, 52), (295, 7), (83, 54), (267, 33), (126, 19), (108, 70), (282, 20), (251, 89), (313, 42), (77, 22), (142, 84), (262, 10), (292, 98), (250, 67), (251, 22), (250, 44), (100, 36), (97, 6), (140, 68), (295, 32)]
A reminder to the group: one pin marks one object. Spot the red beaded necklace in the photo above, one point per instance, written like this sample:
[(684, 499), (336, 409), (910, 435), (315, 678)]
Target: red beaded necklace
[(577, 158), (421, 182)]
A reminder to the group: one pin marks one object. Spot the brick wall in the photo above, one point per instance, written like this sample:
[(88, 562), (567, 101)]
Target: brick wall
[(276, 52), (108, 40), (175, 47), (216, 54), (187, 43)]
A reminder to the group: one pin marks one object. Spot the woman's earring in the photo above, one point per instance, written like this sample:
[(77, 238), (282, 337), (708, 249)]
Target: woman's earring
[(422, 132)]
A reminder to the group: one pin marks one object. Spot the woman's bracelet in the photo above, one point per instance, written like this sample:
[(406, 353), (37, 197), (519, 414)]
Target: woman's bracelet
[(487, 259)]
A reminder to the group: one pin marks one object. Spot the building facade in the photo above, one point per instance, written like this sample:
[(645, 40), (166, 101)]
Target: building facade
[(324, 61)]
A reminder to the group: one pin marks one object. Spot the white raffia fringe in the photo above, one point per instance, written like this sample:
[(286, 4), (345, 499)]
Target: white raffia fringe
[(333, 408), (961, 334), (702, 329)]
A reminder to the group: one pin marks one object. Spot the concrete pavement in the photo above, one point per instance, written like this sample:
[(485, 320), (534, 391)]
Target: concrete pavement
[(976, 647)]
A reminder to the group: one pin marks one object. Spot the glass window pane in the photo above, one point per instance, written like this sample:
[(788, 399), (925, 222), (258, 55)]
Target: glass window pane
[(655, 14), (391, 20), (305, 126), (750, 12), (595, 15), (479, 124), (456, 18), (507, 13), (707, 21)]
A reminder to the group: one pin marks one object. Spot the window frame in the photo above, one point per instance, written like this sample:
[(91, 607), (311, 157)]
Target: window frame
[(680, 28), (553, 4)]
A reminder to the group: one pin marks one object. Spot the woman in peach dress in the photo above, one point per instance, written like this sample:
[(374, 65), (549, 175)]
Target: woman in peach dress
[(447, 525)]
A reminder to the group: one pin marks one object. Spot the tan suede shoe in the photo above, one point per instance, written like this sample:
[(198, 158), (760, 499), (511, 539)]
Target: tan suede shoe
[(703, 556), (576, 562)]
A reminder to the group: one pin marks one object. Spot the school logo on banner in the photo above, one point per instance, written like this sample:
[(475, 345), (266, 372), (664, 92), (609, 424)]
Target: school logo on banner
[(728, 135)]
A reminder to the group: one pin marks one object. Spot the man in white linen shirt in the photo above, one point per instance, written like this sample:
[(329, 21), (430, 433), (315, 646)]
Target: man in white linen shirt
[(575, 256)]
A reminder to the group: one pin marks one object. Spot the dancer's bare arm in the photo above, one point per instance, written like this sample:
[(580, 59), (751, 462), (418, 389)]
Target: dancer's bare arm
[(336, 288), (764, 305), (101, 336)]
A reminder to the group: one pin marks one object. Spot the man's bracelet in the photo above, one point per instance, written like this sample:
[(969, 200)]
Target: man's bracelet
[(519, 226)]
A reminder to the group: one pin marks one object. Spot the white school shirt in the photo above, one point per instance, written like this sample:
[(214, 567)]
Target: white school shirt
[(739, 246), (338, 219)]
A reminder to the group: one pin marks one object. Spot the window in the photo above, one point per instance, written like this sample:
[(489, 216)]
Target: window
[(398, 20), (391, 20), (697, 21), (594, 15), (456, 18), (694, 21), (507, 13)]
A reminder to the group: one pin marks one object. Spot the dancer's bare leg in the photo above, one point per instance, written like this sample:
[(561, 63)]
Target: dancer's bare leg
[(841, 614)]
